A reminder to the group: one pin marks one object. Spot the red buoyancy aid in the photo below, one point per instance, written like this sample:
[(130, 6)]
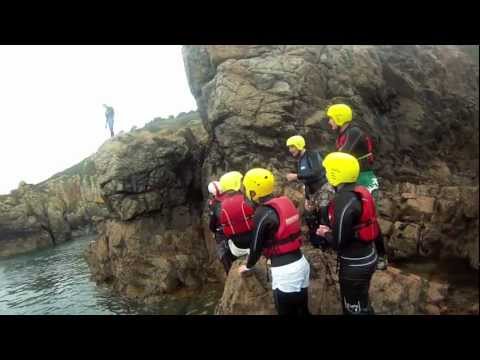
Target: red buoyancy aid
[(367, 229), (288, 237), (342, 139), (236, 215)]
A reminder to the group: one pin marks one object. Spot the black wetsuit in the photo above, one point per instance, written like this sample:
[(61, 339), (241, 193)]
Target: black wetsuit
[(311, 172), (266, 225), (357, 259), (352, 140)]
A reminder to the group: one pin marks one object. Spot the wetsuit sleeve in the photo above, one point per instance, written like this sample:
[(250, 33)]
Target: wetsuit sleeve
[(315, 170), (266, 221), (353, 135), (214, 214), (346, 217)]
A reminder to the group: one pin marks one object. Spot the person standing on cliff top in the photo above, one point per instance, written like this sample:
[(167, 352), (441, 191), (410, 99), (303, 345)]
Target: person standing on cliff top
[(317, 190), (353, 140), (352, 231), (109, 114), (278, 237)]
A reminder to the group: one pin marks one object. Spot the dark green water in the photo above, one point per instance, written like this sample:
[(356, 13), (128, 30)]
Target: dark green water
[(56, 281)]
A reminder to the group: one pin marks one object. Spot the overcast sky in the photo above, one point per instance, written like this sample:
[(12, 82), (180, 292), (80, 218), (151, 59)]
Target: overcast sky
[(51, 97)]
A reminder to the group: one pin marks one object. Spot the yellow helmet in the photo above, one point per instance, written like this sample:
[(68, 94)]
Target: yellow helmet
[(341, 168), (340, 113), (258, 183), (298, 141), (231, 181)]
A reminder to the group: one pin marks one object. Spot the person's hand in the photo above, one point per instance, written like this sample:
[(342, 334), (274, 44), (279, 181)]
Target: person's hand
[(243, 270), (322, 230), (292, 177)]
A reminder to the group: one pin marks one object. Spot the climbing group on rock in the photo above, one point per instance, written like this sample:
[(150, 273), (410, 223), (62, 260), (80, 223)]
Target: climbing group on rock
[(340, 194)]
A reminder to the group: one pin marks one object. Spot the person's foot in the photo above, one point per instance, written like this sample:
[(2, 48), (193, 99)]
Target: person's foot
[(382, 263)]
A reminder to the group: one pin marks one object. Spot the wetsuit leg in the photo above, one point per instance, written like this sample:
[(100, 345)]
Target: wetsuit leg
[(295, 303), (380, 246), (229, 258), (226, 262), (355, 300), (223, 252), (354, 287), (302, 309)]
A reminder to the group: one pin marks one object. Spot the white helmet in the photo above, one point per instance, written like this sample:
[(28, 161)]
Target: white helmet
[(214, 188)]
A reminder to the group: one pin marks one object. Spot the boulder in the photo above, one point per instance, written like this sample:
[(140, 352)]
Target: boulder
[(385, 226), (419, 205), (155, 243), (403, 242)]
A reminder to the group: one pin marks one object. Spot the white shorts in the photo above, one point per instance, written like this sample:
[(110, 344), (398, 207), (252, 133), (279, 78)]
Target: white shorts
[(236, 251), (291, 277)]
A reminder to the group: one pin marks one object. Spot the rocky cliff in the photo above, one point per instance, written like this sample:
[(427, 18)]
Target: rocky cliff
[(49, 213), (420, 103), (70, 203), (151, 182)]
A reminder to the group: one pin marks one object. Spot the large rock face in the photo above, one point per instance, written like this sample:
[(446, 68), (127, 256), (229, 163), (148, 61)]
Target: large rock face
[(150, 180), (431, 221), (149, 172), (148, 257), (420, 103)]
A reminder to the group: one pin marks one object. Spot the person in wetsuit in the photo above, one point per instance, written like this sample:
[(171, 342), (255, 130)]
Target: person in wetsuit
[(277, 236), (357, 256), (223, 252), (355, 141), (318, 191), (231, 219)]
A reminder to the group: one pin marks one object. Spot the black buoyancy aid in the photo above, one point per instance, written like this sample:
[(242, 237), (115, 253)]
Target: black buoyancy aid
[(367, 229), (288, 237), (342, 138), (236, 215)]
